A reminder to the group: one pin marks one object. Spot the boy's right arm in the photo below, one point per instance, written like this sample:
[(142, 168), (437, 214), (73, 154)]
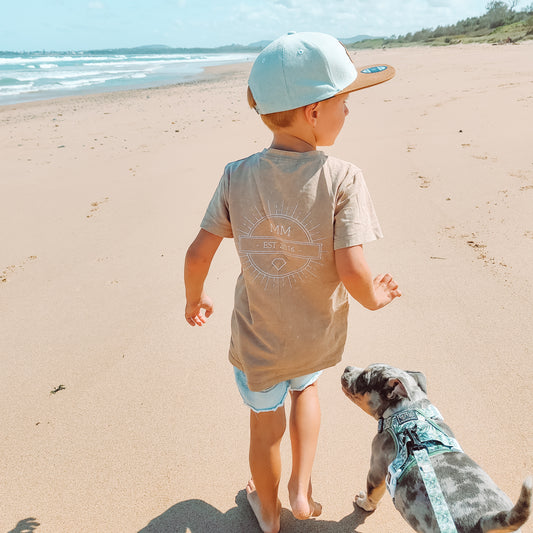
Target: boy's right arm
[(197, 263), (355, 274)]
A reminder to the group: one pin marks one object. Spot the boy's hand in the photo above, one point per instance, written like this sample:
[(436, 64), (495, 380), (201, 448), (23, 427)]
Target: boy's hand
[(385, 289), (193, 311), (356, 276), (197, 262)]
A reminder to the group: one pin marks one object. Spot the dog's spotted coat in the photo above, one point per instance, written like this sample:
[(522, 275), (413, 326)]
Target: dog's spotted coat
[(476, 504)]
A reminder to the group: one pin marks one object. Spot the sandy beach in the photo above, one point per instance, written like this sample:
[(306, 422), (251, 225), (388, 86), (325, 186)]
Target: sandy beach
[(116, 416)]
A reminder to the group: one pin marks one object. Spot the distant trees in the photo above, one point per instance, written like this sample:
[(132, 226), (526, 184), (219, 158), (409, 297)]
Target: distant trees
[(498, 13), (529, 20)]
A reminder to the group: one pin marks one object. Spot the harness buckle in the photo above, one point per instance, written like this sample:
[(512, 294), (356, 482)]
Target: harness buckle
[(392, 480), (414, 443)]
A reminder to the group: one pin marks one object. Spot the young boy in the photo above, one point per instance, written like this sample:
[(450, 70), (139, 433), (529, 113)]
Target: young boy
[(299, 219)]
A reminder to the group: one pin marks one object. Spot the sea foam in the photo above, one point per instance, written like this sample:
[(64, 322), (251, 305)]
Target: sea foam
[(34, 76)]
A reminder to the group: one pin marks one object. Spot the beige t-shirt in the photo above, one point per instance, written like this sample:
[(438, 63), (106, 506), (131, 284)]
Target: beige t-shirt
[(287, 212)]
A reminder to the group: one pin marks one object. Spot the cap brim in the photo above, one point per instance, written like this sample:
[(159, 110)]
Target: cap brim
[(370, 75)]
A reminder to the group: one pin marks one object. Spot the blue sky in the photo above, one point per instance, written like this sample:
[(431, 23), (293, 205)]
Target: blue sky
[(92, 24)]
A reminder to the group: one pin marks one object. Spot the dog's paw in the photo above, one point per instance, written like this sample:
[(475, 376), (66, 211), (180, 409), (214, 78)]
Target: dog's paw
[(362, 501)]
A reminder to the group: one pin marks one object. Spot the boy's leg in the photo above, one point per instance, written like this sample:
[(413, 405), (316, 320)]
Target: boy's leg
[(266, 432), (304, 428)]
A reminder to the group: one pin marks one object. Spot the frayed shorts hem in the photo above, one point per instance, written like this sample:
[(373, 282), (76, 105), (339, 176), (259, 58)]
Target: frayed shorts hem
[(274, 397)]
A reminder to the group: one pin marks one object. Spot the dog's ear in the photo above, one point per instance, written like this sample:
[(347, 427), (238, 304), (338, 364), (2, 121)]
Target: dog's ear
[(420, 379), (397, 389)]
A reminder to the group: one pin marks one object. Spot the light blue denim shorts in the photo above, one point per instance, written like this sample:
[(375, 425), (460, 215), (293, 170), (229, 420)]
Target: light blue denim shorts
[(272, 398)]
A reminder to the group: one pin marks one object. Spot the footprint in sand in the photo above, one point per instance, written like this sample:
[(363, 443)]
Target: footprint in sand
[(485, 157), (475, 243), (483, 255), (423, 182), (12, 269), (482, 157), (95, 206)]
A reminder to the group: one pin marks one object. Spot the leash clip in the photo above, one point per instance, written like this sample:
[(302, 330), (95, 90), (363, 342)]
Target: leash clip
[(414, 443)]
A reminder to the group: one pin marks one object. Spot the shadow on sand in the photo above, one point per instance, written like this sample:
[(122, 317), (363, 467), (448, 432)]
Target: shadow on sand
[(28, 525), (197, 516)]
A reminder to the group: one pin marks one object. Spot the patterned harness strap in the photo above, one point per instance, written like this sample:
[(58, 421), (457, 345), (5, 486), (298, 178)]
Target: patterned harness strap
[(417, 436), (433, 489), (440, 507)]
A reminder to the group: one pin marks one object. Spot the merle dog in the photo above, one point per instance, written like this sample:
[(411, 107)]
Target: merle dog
[(475, 503)]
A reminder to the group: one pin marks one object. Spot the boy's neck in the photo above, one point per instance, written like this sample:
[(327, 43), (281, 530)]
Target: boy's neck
[(291, 143)]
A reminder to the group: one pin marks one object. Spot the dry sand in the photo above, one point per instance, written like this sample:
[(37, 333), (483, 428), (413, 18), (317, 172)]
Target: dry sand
[(100, 197)]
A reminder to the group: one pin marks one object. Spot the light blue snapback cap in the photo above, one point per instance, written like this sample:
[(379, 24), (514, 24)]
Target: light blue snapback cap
[(303, 68)]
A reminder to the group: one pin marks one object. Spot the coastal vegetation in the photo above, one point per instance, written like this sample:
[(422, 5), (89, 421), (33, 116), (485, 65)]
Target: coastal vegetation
[(500, 24)]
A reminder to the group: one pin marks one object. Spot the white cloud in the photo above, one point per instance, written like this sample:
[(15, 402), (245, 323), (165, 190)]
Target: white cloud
[(290, 4), (373, 17), (96, 5)]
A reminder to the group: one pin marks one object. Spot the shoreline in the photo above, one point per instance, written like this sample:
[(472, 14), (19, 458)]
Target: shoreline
[(212, 72), (207, 73)]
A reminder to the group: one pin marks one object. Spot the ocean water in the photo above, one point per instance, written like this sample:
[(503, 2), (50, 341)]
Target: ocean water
[(33, 76)]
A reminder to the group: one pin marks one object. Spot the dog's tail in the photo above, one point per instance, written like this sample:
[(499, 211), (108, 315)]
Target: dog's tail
[(507, 521)]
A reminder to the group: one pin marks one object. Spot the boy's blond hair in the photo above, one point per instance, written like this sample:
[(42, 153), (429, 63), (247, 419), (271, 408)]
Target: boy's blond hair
[(281, 119)]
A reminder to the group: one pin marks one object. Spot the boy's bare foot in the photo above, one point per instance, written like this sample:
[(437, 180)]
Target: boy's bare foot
[(267, 524), (309, 509), (304, 507)]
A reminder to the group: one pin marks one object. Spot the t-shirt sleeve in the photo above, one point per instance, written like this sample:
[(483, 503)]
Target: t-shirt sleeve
[(217, 218), (356, 221)]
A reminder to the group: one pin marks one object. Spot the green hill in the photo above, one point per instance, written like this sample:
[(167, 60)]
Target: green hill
[(500, 24)]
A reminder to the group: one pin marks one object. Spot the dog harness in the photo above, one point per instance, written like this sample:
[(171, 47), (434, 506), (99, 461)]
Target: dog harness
[(417, 437)]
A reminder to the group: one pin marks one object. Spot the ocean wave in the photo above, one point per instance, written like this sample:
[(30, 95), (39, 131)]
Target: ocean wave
[(41, 76), (65, 75), (136, 61), (24, 60), (125, 63), (10, 86), (13, 90), (9, 81), (97, 80), (111, 58), (75, 84)]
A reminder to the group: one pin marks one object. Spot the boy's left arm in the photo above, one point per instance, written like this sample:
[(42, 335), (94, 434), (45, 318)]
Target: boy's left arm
[(355, 274), (197, 262)]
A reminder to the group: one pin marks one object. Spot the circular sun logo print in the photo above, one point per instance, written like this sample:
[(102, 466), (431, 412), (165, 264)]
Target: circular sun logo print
[(279, 247)]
